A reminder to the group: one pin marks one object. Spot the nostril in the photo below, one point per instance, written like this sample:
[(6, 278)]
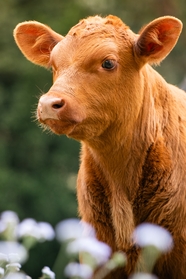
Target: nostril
[(59, 104), (56, 106)]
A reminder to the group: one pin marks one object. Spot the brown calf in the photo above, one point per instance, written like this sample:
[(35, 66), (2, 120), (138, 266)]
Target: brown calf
[(131, 123)]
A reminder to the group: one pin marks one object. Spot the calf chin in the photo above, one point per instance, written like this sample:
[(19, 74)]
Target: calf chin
[(59, 127)]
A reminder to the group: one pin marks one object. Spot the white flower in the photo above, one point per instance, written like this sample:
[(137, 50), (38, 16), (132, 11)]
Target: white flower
[(9, 248), (82, 237), (78, 270), (143, 276), (46, 231), (40, 231), (72, 229), (9, 217), (69, 229), (8, 223), (46, 271), (150, 234), (28, 227), (99, 250)]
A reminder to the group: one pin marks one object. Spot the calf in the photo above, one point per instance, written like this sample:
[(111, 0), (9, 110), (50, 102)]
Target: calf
[(131, 124)]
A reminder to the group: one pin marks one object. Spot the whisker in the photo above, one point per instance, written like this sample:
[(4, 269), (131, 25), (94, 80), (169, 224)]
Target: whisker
[(41, 92)]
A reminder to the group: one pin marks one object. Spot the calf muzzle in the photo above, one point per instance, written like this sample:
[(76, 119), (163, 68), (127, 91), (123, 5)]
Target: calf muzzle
[(49, 107)]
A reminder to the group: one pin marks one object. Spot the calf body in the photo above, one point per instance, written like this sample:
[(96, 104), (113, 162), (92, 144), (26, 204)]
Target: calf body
[(131, 123)]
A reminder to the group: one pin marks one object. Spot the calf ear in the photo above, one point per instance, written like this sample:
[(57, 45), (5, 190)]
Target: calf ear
[(36, 41), (157, 39)]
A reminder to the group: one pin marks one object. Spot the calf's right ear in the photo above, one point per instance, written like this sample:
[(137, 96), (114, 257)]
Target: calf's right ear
[(36, 41)]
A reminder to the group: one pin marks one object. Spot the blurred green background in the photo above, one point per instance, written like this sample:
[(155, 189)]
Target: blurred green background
[(38, 170)]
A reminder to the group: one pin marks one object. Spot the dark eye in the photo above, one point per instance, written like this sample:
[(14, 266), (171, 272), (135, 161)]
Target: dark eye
[(109, 64)]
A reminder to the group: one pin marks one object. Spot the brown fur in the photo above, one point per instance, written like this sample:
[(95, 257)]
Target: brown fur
[(131, 123)]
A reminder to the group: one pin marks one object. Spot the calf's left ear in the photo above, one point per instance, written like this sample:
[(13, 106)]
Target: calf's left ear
[(157, 39)]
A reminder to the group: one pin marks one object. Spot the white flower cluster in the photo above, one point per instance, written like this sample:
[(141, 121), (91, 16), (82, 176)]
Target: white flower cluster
[(12, 229), (80, 240), (12, 253), (41, 231)]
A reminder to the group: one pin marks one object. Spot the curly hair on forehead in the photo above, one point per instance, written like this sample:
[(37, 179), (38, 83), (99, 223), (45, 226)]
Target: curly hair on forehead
[(97, 23)]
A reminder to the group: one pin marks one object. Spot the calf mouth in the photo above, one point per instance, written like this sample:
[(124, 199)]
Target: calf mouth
[(59, 127)]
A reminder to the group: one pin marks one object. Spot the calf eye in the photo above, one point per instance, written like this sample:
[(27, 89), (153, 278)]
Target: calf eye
[(109, 64)]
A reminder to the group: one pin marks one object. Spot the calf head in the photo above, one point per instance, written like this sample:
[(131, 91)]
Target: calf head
[(96, 71)]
